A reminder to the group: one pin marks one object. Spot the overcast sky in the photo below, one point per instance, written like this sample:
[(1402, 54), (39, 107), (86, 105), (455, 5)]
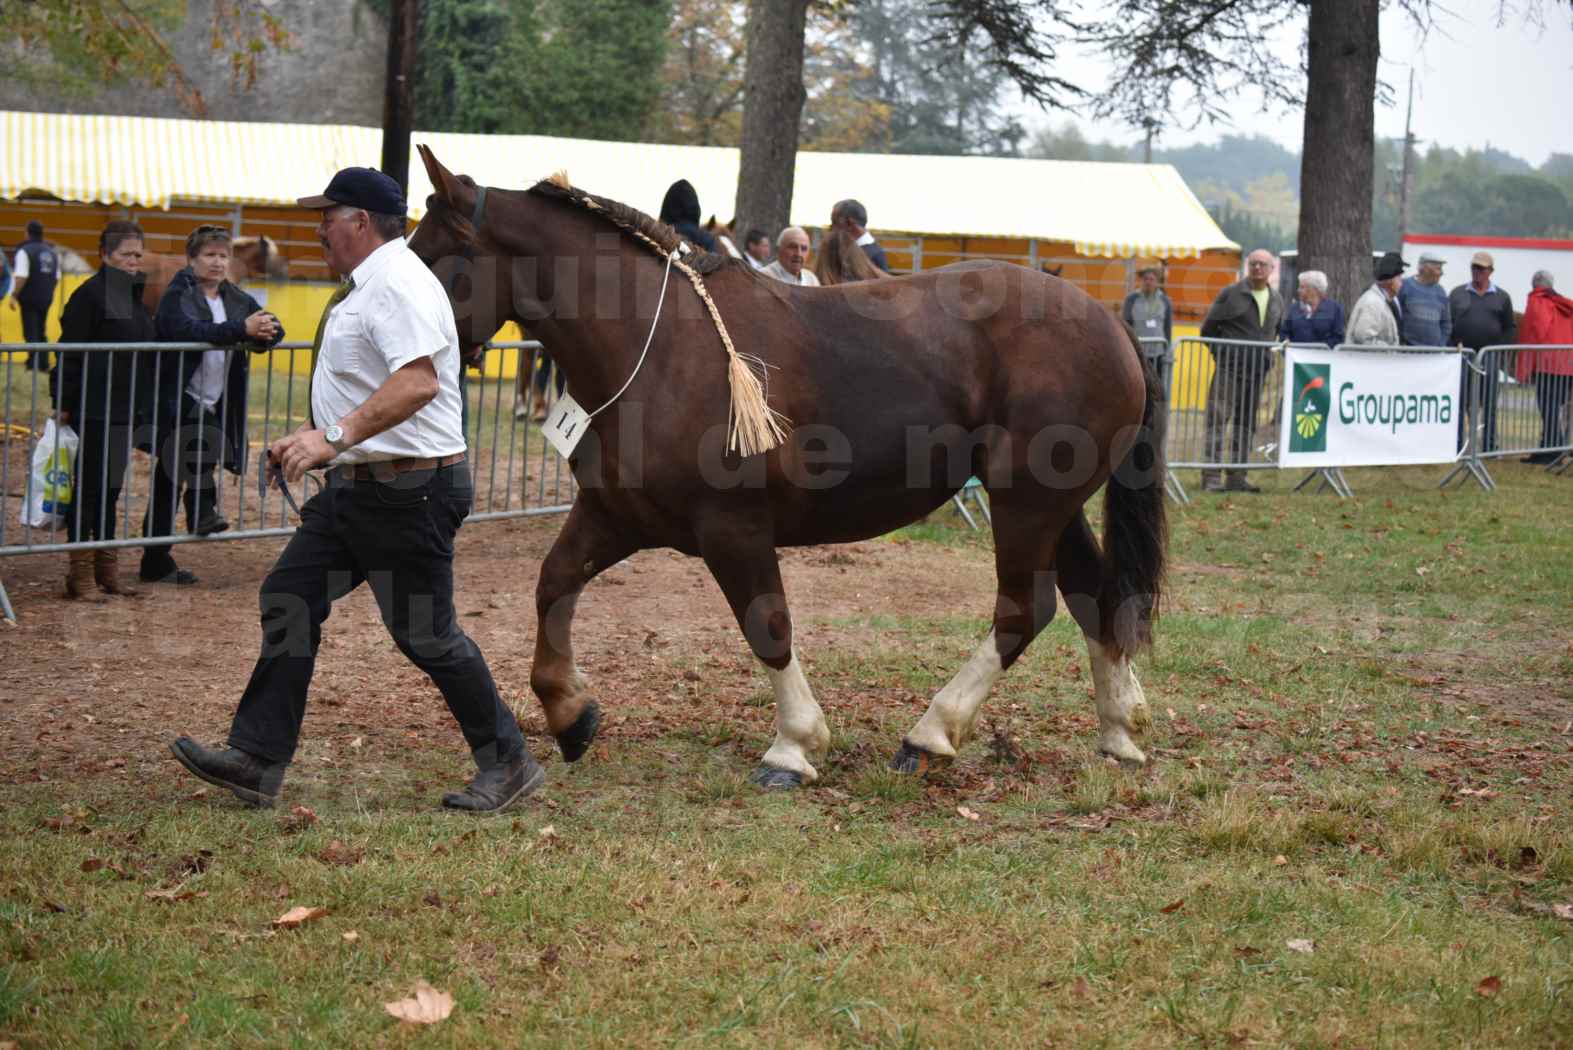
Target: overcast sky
[(1474, 84)]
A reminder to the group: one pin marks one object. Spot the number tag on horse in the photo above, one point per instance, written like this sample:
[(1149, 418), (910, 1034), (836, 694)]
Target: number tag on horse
[(565, 425)]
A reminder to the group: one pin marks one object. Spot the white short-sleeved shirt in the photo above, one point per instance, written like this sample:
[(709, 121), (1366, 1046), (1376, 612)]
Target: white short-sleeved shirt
[(396, 313), (21, 267), (805, 276)]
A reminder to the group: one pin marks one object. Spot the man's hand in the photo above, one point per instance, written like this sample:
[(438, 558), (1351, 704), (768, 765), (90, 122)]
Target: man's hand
[(299, 452), (261, 325), (63, 416)]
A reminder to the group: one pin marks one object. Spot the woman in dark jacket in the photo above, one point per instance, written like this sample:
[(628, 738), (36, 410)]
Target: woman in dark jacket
[(92, 392), (680, 211), (196, 399)]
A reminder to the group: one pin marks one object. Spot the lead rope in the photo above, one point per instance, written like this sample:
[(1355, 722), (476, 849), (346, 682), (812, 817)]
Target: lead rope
[(659, 303)]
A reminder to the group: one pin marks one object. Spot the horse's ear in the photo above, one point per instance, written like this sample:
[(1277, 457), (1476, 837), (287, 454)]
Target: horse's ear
[(443, 182)]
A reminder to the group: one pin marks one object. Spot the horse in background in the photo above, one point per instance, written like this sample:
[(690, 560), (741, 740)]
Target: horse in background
[(722, 232), (249, 258)]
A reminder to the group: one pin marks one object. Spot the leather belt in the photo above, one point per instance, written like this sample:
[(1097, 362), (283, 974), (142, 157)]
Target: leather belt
[(386, 469)]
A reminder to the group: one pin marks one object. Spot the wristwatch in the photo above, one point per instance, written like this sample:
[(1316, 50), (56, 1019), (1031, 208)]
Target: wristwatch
[(334, 436)]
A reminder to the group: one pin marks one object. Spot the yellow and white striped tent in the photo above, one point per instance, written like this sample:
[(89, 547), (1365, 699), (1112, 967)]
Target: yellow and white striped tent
[(1101, 210)]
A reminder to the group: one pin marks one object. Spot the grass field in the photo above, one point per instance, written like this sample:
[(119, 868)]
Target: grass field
[(1356, 831)]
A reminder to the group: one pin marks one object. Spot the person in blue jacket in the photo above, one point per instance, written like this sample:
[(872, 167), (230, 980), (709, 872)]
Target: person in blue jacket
[(1314, 318), (195, 400)]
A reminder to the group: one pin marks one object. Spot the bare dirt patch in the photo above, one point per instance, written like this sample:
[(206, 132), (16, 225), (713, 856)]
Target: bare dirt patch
[(99, 690)]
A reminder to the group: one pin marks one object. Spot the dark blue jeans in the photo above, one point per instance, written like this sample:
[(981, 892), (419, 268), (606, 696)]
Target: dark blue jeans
[(397, 536)]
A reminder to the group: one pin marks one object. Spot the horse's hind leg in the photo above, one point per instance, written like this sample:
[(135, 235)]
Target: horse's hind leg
[(1122, 707), (1024, 544), (742, 558), (587, 546)]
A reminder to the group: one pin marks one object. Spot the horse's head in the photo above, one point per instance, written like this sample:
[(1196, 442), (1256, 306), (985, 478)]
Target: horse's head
[(253, 256), (447, 240)]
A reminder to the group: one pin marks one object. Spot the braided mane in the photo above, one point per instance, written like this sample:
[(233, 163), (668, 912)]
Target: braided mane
[(653, 233)]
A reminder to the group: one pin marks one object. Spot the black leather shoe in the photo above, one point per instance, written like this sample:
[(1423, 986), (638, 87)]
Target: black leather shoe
[(1239, 485), (180, 577), (211, 525), (253, 780), (499, 787)]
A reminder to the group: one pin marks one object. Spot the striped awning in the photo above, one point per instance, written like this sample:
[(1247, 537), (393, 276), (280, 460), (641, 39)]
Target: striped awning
[(150, 162), (1104, 210)]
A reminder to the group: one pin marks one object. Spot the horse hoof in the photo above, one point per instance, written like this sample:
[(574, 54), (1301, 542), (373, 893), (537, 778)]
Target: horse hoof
[(574, 741), (772, 779), (913, 760), (1128, 761)]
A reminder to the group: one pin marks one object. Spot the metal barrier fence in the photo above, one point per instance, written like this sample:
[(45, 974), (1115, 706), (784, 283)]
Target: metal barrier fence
[(1520, 402), (134, 474), (1226, 398)]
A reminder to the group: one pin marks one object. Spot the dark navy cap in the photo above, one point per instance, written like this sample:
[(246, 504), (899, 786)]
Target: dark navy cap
[(365, 188), (1390, 265)]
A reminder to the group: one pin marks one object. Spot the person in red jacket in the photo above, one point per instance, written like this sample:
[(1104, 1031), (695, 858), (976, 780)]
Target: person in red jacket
[(1548, 321)]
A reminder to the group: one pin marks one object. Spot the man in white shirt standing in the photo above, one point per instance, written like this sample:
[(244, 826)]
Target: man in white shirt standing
[(791, 254), (385, 419)]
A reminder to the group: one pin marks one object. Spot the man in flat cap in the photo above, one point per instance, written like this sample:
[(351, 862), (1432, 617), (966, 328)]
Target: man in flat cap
[(1376, 315), (385, 420), (1428, 320)]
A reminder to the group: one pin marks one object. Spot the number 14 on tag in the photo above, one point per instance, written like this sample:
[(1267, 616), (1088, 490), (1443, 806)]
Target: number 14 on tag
[(566, 425)]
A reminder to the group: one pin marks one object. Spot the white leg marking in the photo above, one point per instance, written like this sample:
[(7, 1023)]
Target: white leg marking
[(801, 733), (1122, 706), (947, 723)]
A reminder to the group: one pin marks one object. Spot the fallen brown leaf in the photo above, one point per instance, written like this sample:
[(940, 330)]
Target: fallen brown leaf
[(338, 853), (1170, 909), (427, 1006), (968, 813), (1280, 860), (174, 895), (350, 936), (1300, 944), (92, 864), (298, 916), (1488, 987)]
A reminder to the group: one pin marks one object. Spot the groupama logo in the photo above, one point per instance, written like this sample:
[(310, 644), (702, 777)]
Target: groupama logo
[(1312, 405)]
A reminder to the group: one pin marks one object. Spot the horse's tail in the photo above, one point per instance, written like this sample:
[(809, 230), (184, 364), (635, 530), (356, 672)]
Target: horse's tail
[(1136, 525)]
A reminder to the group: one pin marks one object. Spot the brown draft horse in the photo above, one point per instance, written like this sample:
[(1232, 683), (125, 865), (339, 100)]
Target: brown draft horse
[(897, 390)]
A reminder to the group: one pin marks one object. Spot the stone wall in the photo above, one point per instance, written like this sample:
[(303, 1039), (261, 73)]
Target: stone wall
[(332, 74)]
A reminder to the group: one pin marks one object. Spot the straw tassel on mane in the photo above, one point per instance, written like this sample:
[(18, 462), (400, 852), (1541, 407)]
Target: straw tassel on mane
[(752, 425)]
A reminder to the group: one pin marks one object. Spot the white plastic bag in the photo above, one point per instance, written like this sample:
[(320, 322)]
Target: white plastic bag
[(48, 497)]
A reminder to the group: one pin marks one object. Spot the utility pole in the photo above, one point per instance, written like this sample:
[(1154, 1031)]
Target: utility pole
[(1403, 171), (398, 100)]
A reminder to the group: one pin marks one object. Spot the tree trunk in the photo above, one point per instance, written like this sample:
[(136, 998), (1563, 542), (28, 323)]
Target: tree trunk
[(398, 106), (1340, 140), (773, 98)]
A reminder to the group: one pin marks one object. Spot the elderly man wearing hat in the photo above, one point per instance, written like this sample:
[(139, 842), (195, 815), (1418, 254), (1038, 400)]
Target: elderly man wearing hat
[(1427, 318), (385, 420), (1482, 316), (1376, 315)]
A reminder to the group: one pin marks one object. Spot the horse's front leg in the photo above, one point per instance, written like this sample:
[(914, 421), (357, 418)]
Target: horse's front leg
[(741, 556), (588, 544)]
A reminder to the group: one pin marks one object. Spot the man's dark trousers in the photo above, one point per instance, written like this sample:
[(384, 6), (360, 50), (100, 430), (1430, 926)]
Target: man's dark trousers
[(398, 536), (34, 331), (186, 462)]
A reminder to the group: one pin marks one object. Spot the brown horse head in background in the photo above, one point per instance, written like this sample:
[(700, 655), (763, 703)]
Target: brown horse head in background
[(898, 390)]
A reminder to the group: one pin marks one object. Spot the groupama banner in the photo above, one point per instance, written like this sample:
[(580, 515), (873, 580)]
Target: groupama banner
[(1351, 408)]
